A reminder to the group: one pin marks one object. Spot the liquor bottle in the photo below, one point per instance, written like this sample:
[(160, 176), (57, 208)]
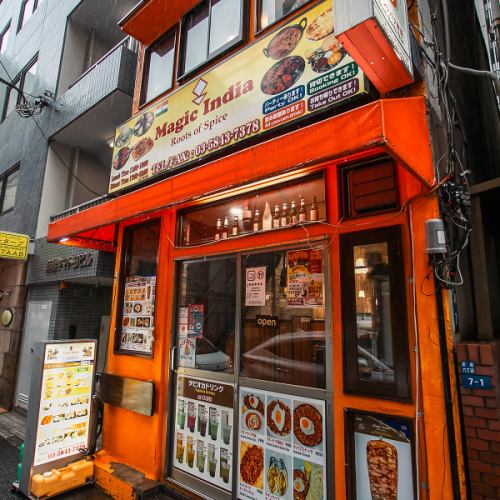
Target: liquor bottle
[(267, 218), (302, 211), (218, 230), (313, 211), (256, 221), (285, 218), (225, 229), (294, 216), (235, 228), (247, 218), (276, 218)]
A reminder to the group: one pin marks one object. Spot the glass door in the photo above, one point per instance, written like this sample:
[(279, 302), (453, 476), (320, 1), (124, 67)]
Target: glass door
[(251, 391)]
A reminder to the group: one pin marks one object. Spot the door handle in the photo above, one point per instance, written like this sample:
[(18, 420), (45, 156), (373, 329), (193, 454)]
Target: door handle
[(172, 358)]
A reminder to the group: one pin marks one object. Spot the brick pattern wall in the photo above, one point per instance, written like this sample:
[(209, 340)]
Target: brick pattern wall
[(481, 418)]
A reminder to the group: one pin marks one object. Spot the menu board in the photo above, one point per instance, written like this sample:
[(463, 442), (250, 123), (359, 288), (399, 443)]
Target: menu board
[(304, 278), (383, 454), (204, 430), (138, 314), (281, 447), (65, 401)]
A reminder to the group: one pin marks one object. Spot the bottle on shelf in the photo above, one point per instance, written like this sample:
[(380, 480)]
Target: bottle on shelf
[(235, 228), (225, 229), (276, 217), (294, 216), (187, 233), (302, 211), (267, 218), (256, 221), (218, 230), (285, 218), (313, 211), (247, 218)]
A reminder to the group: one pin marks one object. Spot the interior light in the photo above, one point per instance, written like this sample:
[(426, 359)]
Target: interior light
[(361, 294), (236, 211), (360, 267), (63, 240)]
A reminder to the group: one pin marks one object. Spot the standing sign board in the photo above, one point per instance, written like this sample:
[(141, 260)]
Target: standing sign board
[(376, 34), (59, 411)]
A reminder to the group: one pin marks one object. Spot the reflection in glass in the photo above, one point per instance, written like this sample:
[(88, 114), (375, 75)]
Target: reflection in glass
[(161, 66), (143, 251), (222, 31), (9, 198), (373, 313), (196, 36), (272, 10), (211, 284), (291, 347), (29, 79)]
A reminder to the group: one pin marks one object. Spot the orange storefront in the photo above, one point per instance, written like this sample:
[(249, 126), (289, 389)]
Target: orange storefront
[(276, 295)]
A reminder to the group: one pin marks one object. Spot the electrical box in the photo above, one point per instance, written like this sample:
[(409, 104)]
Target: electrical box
[(376, 35), (435, 239)]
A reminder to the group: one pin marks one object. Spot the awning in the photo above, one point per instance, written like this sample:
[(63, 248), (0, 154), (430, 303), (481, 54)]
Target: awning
[(398, 126)]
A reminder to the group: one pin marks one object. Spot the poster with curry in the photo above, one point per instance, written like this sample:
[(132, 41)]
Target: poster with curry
[(294, 71)]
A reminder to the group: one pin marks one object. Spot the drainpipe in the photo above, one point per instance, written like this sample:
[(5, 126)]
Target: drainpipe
[(70, 191)]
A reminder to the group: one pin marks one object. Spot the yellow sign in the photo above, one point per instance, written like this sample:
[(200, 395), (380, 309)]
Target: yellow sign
[(298, 70), (14, 246)]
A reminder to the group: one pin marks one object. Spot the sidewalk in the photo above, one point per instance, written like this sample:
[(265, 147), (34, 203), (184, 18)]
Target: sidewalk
[(12, 426)]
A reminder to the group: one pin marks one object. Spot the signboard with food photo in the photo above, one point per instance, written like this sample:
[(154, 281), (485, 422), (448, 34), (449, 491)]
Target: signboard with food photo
[(204, 430), (304, 278), (381, 456), (293, 72), (137, 332), (281, 450), (65, 402)]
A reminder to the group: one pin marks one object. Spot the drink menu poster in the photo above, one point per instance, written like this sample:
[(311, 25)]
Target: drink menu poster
[(281, 446), (138, 314), (65, 402), (204, 430), (305, 281), (383, 465)]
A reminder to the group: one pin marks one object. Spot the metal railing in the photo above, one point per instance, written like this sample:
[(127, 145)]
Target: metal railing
[(80, 208)]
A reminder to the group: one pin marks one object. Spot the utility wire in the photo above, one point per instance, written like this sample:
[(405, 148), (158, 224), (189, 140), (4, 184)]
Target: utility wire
[(68, 168)]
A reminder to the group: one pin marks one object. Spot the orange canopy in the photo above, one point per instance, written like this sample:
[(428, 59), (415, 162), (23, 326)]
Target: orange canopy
[(397, 125)]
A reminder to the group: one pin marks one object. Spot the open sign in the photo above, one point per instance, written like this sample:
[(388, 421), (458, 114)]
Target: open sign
[(266, 321)]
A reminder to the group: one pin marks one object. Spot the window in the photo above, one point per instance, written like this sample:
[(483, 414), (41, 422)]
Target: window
[(8, 189), (136, 320), (158, 67), (208, 30), (25, 82), (270, 11), (376, 358), (369, 187), (4, 39), (27, 9)]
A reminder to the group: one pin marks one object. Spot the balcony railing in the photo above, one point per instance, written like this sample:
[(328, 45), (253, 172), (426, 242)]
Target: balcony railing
[(79, 208)]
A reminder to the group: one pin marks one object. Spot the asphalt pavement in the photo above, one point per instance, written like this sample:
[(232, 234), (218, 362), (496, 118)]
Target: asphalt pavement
[(9, 457)]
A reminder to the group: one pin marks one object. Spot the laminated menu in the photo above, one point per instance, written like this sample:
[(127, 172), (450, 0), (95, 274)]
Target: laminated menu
[(204, 430), (282, 446), (137, 333), (65, 401), (305, 281), (383, 457)]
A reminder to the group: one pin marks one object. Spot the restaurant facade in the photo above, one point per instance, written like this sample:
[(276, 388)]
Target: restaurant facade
[(276, 331)]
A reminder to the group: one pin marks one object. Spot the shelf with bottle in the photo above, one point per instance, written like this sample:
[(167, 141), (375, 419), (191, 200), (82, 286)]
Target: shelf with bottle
[(291, 205)]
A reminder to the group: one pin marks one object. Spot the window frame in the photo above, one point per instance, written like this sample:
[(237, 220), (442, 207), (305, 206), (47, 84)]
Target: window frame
[(18, 82), (401, 388), (22, 13), (7, 28), (182, 74), (174, 30), (3, 187), (124, 264), (258, 12)]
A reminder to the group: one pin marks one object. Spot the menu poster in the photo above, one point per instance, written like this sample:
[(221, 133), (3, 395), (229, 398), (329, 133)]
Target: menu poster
[(138, 314), (65, 401), (255, 286), (195, 320), (204, 430), (281, 447), (187, 352), (305, 280), (382, 456)]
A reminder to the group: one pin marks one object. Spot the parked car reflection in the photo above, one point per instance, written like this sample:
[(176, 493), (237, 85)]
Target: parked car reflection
[(209, 357)]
